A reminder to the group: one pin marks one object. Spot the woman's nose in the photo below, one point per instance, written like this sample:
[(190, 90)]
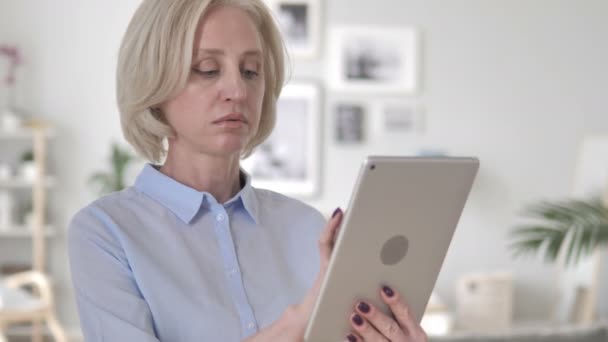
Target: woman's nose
[(234, 87)]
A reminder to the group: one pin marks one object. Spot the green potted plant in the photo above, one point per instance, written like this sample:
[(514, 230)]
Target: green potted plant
[(27, 166), (575, 227), (113, 179)]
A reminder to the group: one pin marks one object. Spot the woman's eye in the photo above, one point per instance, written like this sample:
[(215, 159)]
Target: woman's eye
[(250, 74), (206, 73)]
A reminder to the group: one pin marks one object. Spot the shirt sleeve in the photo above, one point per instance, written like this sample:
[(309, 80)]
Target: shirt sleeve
[(110, 305)]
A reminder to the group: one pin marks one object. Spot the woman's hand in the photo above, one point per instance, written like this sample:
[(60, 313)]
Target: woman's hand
[(296, 316), (292, 324), (370, 324)]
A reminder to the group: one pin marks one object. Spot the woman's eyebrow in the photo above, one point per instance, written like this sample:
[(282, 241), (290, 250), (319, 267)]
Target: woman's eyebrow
[(255, 53)]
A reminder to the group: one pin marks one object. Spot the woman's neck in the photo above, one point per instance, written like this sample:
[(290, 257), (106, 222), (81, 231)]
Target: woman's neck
[(217, 175)]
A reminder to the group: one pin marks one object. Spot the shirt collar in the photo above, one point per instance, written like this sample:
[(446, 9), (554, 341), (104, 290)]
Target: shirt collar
[(184, 201), (248, 197)]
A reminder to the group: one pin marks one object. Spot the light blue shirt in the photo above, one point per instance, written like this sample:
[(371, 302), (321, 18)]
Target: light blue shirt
[(161, 261)]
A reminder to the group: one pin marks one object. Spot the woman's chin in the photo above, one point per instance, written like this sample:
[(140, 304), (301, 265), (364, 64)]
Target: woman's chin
[(230, 147)]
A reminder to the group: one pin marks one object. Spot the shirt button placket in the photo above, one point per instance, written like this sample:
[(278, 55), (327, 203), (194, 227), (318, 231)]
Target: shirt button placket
[(232, 272)]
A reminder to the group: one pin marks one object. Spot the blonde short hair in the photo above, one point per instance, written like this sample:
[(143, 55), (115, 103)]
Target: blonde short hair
[(155, 60)]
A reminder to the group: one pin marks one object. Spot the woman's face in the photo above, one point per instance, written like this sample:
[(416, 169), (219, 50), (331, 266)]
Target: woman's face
[(218, 111)]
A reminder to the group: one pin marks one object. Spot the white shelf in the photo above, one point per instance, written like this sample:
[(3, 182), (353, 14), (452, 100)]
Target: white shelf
[(24, 232), (17, 183), (22, 133)]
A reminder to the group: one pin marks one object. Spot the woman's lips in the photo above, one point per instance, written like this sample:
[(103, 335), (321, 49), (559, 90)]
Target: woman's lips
[(232, 117), (232, 120)]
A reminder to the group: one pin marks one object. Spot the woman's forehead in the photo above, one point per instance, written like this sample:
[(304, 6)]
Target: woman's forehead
[(227, 27)]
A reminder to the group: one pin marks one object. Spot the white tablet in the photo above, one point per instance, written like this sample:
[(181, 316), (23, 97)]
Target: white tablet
[(396, 231)]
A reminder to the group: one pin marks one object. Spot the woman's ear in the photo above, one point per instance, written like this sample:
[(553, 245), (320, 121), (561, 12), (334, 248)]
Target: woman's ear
[(158, 114)]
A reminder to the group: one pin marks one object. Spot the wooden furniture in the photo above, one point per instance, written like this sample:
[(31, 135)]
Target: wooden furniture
[(35, 306), (19, 305)]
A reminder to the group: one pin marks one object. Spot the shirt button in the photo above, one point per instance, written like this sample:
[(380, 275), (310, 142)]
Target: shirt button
[(232, 272), (220, 217), (250, 325)]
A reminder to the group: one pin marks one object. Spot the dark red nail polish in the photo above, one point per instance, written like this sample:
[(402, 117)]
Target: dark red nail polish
[(358, 320), (336, 212), (388, 291), (363, 307), (351, 338)]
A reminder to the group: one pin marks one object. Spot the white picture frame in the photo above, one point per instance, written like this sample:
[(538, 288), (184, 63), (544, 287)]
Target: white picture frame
[(300, 24), (373, 59), (288, 161), (402, 117)]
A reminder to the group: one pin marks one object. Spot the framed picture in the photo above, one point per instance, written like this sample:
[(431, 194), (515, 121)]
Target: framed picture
[(289, 160), (349, 122), (371, 59), (403, 118), (299, 21)]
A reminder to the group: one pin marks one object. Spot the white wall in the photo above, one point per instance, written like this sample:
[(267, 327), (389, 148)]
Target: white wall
[(517, 83)]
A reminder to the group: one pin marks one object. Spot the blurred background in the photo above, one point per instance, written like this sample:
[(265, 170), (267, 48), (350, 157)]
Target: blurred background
[(519, 84)]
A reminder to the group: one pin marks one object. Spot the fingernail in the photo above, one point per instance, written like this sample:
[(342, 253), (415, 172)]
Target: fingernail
[(338, 210), (363, 306), (351, 338), (358, 320), (388, 291)]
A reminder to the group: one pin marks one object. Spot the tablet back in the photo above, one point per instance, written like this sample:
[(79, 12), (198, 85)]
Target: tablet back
[(396, 231)]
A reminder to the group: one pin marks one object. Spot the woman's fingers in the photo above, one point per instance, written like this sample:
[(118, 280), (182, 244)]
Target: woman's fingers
[(370, 324), (403, 314), (386, 325), (327, 238), (365, 330), (354, 337), (325, 247)]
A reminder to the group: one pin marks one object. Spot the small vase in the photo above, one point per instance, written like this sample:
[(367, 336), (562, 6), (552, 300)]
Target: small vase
[(10, 120), (29, 171)]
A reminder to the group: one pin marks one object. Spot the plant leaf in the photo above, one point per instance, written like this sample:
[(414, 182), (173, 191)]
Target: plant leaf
[(575, 227), (113, 180)]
